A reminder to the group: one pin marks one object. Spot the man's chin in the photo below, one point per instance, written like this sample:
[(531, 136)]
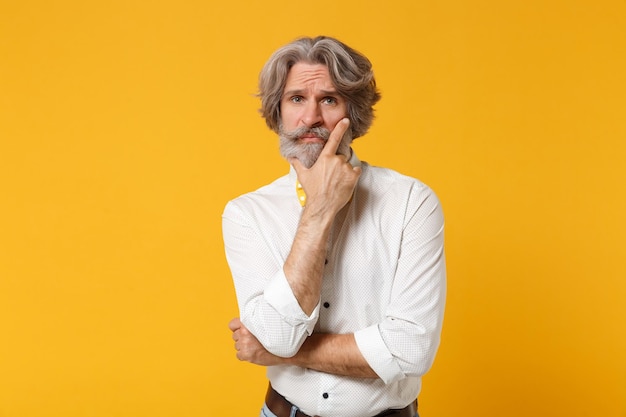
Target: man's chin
[(306, 154), (307, 161)]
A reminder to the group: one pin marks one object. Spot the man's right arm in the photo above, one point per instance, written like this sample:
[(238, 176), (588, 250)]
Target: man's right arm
[(267, 312), (328, 184)]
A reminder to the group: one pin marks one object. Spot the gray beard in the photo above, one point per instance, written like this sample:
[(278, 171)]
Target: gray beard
[(307, 153)]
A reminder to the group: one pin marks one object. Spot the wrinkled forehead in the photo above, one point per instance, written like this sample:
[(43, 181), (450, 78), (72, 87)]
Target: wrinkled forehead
[(306, 76)]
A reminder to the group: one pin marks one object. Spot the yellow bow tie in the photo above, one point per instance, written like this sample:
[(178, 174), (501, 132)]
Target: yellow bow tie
[(301, 193)]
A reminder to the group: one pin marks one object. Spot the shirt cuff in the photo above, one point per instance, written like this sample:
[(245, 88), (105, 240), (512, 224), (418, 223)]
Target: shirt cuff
[(373, 348), (279, 295)]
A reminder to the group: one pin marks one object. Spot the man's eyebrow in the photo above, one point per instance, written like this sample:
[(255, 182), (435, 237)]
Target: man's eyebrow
[(293, 93), (301, 92)]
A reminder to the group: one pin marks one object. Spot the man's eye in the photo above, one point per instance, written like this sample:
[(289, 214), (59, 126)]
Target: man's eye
[(296, 99), (330, 100)]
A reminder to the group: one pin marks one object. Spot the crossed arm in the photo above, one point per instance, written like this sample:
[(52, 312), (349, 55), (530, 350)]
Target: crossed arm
[(331, 353)]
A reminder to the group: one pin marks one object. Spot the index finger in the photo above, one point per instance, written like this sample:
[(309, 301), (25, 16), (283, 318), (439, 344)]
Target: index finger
[(332, 144)]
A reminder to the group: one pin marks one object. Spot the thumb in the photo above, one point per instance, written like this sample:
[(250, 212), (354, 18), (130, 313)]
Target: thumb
[(234, 324)]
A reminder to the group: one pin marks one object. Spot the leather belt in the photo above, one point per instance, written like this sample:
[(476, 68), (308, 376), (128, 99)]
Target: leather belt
[(282, 408)]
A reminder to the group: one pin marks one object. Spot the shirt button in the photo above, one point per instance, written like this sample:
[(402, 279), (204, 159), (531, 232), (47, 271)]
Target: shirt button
[(326, 304), (325, 395)]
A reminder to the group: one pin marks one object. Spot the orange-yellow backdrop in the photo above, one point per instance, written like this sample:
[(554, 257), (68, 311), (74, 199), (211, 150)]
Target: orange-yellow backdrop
[(125, 126)]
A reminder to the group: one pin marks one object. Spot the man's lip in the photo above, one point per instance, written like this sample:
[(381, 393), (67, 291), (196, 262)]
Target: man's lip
[(310, 138)]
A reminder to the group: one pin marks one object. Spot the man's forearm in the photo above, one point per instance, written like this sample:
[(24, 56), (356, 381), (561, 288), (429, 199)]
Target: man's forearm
[(336, 354), (304, 267)]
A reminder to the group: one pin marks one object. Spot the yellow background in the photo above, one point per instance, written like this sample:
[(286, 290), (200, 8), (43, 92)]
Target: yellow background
[(125, 127)]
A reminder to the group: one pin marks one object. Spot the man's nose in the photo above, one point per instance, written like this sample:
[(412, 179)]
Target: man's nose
[(312, 116)]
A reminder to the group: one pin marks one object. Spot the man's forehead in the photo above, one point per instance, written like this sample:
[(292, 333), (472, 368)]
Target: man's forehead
[(304, 75)]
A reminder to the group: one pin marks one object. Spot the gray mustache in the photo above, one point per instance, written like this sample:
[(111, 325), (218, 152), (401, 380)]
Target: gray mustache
[(320, 132)]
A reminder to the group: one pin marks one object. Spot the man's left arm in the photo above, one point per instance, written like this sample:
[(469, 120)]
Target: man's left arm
[(331, 353), (405, 342)]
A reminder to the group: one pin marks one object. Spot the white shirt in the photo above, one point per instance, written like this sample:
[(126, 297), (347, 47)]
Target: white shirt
[(384, 281)]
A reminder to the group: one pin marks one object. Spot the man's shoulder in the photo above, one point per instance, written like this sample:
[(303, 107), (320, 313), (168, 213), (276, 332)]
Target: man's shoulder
[(264, 195), (391, 190), (387, 177)]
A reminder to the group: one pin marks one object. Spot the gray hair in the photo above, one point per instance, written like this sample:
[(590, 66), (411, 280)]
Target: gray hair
[(350, 71)]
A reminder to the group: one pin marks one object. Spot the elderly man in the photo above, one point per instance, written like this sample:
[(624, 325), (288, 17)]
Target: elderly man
[(338, 266)]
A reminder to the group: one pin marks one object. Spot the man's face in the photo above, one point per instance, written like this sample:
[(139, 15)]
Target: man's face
[(310, 109)]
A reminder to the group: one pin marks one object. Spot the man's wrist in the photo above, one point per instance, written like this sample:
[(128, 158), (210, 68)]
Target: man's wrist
[(319, 213)]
